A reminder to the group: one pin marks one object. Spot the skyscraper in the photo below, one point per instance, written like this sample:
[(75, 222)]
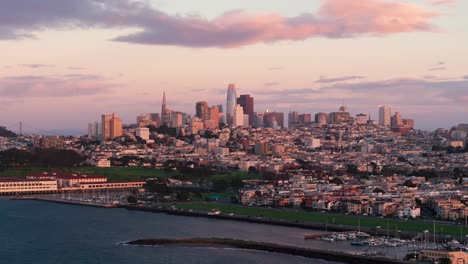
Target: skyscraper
[(385, 115), (321, 118), (111, 126), (202, 110), (247, 102), (213, 117), (293, 118), (165, 112), (230, 104)]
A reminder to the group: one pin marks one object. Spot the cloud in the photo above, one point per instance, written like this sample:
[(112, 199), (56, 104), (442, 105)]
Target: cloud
[(324, 79), (271, 84), (438, 69), (275, 68), (48, 86), (334, 19), (36, 66), (450, 3)]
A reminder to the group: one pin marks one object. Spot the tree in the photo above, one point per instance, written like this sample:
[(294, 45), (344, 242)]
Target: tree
[(237, 183), (252, 170), (351, 169), (158, 186), (378, 190), (336, 181), (182, 196), (132, 199), (445, 261), (220, 184)]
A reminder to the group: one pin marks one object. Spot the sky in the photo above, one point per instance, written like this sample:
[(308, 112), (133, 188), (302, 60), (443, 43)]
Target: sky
[(64, 63)]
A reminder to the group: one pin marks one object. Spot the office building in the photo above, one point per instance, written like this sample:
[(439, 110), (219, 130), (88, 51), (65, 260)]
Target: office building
[(111, 126), (230, 104), (143, 133), (293, 119), (321, 118), (305, 118), (201, 110), (247, 103), (385, 115)]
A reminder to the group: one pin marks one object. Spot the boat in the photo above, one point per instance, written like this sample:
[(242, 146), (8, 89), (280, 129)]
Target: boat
[(214, 212), (359, 243), (328, 239)]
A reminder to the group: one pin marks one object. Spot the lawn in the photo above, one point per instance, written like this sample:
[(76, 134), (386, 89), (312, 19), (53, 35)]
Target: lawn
[(113, 173), (349, 220)]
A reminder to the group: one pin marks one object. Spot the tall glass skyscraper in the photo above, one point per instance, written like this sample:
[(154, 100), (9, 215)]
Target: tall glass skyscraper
[(231, 104)]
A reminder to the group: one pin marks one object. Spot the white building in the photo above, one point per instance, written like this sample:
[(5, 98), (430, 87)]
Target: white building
[(238, 116), (143, 133), (16, 186), (103, 163), (313, 143)]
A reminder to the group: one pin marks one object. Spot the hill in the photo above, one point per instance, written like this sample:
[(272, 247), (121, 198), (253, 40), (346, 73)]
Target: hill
[(6, 133)]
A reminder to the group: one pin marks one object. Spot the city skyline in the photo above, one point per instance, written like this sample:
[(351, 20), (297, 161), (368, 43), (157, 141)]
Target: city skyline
[(288, 57)]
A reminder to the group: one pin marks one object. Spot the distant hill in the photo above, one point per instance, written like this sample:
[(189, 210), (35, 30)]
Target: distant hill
[(6, 133)]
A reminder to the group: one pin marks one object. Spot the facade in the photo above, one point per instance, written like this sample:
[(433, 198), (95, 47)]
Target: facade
[(238, 116), (273, 119), (201, 110), (230, 104), (9, 186), (396, 120), (103, 163), (111, 185), (115, 126), (361, 119), (321, 118), (258, 119), (305, 118), (247, 103), (339, 117), (111, 126), (49, 142), (213, 117), (144, 120), (385, 115), (94, 130), (293, 118), (143, 133)]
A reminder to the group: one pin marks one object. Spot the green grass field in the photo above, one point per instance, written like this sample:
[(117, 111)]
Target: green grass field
[(348, 220), (113, 173)]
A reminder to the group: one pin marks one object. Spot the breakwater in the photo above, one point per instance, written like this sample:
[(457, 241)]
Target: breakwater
[(269, 247)]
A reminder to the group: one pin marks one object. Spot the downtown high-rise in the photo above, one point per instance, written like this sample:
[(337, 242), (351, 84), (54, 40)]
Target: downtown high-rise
[(247, 103), (385, 115), (231, 104)]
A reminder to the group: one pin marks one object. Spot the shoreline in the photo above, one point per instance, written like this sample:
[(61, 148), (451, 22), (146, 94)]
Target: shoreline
[(266, 247), (269, 221), (239, 218)]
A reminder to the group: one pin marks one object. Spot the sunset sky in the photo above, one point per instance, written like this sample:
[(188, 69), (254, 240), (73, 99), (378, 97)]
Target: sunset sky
[(64, 63)]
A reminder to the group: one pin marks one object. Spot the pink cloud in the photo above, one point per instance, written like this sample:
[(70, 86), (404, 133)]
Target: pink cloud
[(450, 3), (334, 19)]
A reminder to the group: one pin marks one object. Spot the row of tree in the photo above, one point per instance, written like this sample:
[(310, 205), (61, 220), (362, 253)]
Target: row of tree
[(40, 157)]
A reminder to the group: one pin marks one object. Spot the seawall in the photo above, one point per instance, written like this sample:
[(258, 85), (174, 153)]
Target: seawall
[(269, 247)]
